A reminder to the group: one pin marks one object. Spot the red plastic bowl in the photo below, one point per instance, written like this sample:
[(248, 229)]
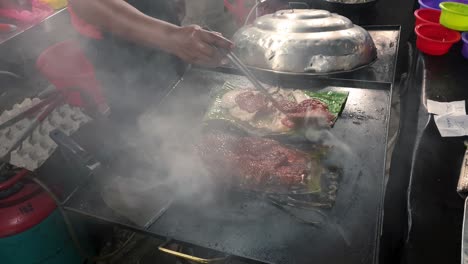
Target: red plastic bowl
[(434, 39), (425, 15)]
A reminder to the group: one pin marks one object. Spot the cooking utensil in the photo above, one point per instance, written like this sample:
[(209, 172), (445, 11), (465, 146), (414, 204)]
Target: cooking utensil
[(240, 65), (435, 39), (300, 40), (462, 189), (454, 16)]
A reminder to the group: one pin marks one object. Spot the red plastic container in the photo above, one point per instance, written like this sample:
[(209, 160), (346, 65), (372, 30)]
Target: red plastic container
[(435, 39), (66, 66), (425, 15)]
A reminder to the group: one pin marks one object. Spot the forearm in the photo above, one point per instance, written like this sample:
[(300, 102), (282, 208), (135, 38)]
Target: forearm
[(190, 43), (121, 19)]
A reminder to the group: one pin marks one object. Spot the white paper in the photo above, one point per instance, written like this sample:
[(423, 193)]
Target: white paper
[(452, 126), (444, 108)]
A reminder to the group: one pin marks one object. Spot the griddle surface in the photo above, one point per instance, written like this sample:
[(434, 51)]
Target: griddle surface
[(249, 227)]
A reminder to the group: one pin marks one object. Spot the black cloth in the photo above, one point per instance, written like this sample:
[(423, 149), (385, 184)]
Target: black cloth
[(132, 76)]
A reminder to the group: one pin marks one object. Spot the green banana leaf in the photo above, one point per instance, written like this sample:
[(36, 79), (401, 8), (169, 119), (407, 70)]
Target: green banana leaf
[(334, 100)]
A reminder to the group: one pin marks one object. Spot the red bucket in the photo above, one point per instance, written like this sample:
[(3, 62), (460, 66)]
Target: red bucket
[(66, 66)]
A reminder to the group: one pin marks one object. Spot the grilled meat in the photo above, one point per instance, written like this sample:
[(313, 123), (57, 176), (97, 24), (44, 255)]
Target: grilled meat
[(299, 113), (253, 162), (251, 102), (253, 107)]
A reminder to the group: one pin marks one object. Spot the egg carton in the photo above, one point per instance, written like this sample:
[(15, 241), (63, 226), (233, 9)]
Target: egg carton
[(38, 146)]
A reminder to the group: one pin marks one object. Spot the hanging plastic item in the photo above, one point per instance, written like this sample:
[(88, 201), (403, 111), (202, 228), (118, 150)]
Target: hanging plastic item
[(66, 66)]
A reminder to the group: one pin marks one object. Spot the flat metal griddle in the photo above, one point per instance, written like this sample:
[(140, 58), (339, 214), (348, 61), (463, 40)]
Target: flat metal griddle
[(250, 227)]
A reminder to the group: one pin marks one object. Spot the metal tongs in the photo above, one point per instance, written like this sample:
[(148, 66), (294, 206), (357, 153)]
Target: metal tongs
[(241, 66)]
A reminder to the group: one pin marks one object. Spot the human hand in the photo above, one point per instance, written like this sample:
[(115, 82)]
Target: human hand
[(196, 45)]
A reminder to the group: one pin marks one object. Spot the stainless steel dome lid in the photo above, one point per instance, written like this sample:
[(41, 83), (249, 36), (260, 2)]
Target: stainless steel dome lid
[(304, 40)]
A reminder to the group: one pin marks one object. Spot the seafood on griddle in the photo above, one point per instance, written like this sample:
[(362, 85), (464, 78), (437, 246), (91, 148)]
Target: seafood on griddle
[(260, 164), (252, 110)]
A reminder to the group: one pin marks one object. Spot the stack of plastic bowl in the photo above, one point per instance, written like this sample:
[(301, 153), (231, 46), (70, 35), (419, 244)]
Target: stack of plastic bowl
[(437, 23)]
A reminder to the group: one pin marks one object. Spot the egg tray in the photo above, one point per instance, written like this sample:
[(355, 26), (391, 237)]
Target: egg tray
[(38, 146)]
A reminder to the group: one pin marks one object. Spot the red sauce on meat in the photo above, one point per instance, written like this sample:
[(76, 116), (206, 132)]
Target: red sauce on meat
[(253, 161), (251, 102), (287, 106), (298, 113)]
